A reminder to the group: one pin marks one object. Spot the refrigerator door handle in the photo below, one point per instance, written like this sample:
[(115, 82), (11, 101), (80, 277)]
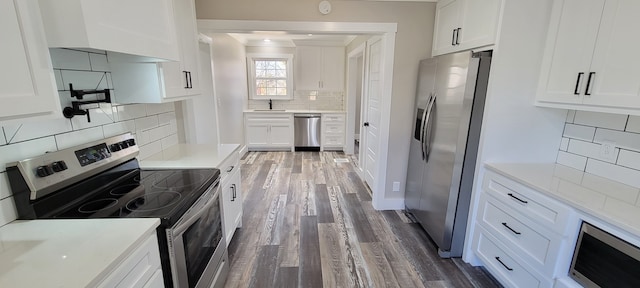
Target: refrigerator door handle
[(428, 127), (424, 119)]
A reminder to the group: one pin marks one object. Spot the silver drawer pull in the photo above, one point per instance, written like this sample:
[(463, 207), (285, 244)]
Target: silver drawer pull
[(505, 266), (514, 197), (514, 231), (230, 169)]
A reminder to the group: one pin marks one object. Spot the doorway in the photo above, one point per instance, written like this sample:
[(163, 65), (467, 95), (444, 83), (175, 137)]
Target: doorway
[(355, 75)]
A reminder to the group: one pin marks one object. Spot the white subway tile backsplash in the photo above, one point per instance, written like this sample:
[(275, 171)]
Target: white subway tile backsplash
[(3, 140), (74, 138), (119, 128), (59, 82), (629, 159), (564, 144), (571, 114), (7, 211), (128, 112), (605, 186), (579, 132), (28, 131), (150, 149), (169, 141), (146, 123), (614, 172), (24, 150), (158, 133), (153, 109), (572, 160), (602, 120), (102, 115), (142, 137), (588, 149), (633, 125), (69, 59), (85, 80), (99, 62), (622, 139), (5, 189), (166, 118)]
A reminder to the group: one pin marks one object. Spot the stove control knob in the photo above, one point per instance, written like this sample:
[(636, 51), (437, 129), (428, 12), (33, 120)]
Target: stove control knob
[(59, 166), (124, 144), (114, 147), (44, 171), (131, 142)]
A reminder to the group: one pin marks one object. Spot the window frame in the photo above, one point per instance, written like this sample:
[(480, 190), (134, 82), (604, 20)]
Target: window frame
[(251, 71)]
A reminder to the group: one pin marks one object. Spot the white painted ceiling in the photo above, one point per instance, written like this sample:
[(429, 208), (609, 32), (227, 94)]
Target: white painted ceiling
[(283, 39)]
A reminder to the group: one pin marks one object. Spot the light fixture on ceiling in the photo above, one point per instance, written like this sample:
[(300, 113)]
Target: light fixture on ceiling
[(267, 40), (309, 34)]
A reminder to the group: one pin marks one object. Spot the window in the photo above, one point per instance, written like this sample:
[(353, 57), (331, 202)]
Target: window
[(270, 76)]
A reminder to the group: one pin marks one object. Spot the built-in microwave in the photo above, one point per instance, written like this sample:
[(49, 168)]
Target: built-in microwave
[(604, 260)]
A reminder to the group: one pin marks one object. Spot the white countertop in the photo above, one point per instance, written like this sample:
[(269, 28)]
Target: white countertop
[(610, 201), (189, 156), (67, 253), (293, 111)]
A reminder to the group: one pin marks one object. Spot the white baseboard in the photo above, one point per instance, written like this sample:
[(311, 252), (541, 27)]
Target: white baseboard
[(243, 151), (390, 204)]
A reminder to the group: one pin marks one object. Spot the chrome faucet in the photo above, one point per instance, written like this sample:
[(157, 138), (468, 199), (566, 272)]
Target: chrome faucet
[(270, 104)]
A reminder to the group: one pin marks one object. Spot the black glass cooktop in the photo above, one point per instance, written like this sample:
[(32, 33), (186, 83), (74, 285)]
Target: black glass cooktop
[(127, 191)]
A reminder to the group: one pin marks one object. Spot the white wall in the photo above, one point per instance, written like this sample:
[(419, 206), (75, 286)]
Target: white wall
[(154, 125), (584, 133), (413, 43), (230, 74), (513, 129)]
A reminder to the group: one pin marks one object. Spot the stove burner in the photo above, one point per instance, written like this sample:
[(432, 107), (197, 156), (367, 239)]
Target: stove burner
[(124, 189), (180, 180), (154, 201), (98, 205)]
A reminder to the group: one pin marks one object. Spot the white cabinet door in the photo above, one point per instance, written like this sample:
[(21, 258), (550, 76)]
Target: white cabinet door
[(333, 69), (308, 67), (257, 134), (616, 67), (447, 19), (232, 197), (281, 135), (181, 78), (479, 23), (573, 30), (27, 84)]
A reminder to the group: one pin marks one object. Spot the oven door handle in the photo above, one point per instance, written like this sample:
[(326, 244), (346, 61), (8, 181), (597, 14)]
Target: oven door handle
[(199, 209)]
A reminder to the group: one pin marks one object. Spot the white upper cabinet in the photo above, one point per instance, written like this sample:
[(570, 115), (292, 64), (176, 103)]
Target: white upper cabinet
[(166, 81), (141, 30), (590, 62), (27, 84), (465, 24), (319, 68)]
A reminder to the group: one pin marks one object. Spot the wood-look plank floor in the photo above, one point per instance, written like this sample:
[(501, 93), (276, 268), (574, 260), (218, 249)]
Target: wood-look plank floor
[(308, 222)]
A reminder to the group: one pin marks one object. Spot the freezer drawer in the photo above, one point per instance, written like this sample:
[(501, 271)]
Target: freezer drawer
[(306, 131)]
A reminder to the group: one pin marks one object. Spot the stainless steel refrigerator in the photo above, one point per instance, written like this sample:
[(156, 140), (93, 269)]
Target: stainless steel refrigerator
[(444, 144)]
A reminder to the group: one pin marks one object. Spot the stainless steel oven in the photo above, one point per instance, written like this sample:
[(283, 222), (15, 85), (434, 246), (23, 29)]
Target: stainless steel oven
[(102, 179), (196, 244), (604, 260)]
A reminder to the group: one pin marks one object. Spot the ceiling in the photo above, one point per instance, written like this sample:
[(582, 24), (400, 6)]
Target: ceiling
[(284, 39)]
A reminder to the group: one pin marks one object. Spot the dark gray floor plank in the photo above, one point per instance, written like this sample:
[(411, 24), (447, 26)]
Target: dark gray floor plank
[(287, 277), (297, 163), (265, 273), (363, 228), (310, 265), (323, 204), (361, 189)]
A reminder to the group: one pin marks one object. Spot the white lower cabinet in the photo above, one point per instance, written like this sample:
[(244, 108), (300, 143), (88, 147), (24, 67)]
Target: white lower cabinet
[(522, 236), (231, 189), (333, 131), (269, 131), (140, 269)]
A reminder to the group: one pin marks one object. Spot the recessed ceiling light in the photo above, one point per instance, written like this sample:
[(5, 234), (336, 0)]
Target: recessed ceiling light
[(267, 40), (309, 34)]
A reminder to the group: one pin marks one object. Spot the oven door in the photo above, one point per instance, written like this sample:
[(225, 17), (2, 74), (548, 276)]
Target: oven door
[(196, 243)]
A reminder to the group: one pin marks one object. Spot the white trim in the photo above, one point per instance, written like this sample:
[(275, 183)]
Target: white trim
[(251, 74), (241, 26), (391, 204), (351, 95)]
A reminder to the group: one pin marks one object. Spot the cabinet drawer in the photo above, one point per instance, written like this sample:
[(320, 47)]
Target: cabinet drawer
[(326, 118), (138, 268), (532, 204), (333, 140), (503, 265), (230, 165), (535, 244), (336, 128)]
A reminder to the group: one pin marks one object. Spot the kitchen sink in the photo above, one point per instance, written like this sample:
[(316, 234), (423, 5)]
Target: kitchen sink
[(269, 110)]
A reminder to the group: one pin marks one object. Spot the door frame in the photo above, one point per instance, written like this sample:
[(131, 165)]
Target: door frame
[(352, 83), (387, 31)]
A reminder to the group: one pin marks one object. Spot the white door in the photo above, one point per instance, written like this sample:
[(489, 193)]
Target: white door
[(27, 85), (371, 130), (570, 45), (615, 68)]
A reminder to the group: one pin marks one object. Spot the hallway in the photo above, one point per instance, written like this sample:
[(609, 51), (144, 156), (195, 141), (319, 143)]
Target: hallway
[(308, 222)]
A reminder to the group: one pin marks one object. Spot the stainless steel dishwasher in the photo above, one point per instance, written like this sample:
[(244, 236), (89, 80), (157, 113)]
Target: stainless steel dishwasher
[(306, 132)]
